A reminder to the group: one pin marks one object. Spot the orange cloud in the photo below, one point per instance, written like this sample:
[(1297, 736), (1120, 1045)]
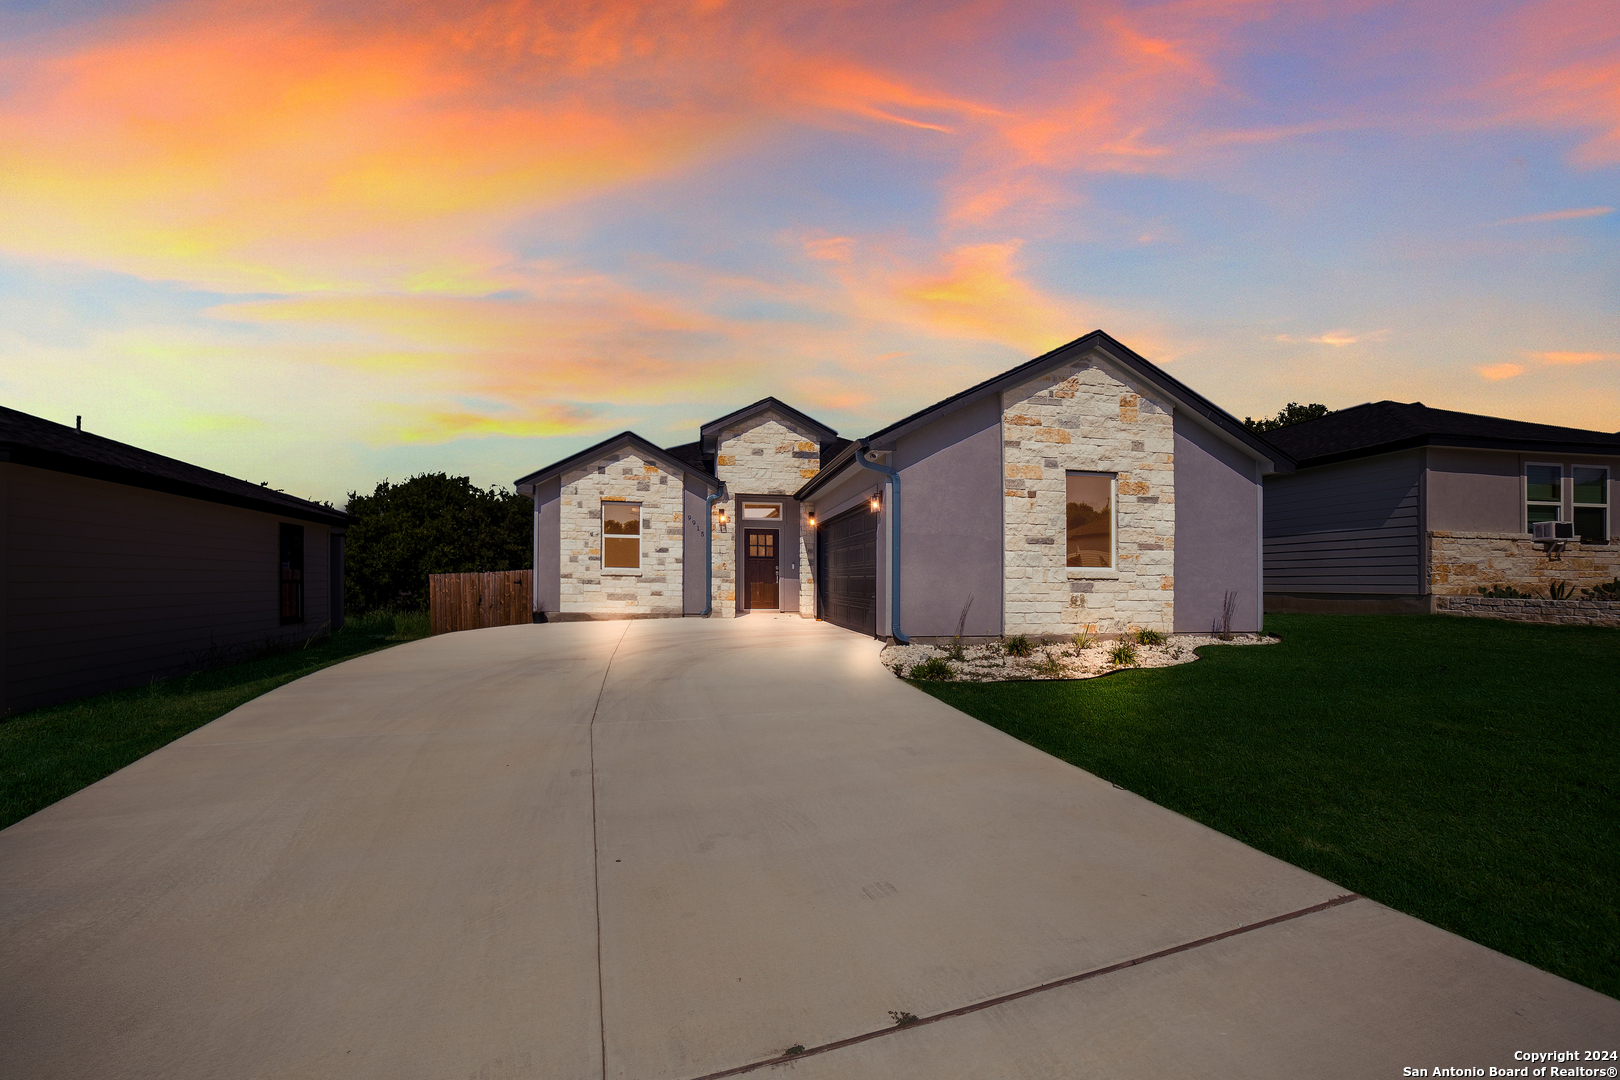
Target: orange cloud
[(1498, 372), (1564, 358), (1557, 215), (1567, 74)]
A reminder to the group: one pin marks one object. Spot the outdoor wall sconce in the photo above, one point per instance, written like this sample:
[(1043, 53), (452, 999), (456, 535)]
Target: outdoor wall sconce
[(877, 503), (812, 521)]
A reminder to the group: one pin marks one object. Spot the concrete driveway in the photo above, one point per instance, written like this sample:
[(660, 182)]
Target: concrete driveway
[(673, 849)]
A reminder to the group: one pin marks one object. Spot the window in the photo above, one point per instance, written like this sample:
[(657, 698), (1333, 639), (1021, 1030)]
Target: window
[(621, 535), (1090, 519), (772, 511), (1543, 494), (1591, 515), (292, 574)]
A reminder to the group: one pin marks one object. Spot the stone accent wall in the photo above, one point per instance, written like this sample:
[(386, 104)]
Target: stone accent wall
[(1085, 417), (1461, 562), (807, 565), (723, 588), (586, 587), (766, 455), (1567, 612)]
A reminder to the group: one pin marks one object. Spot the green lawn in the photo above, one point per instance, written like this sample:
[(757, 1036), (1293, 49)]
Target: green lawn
[(1466, 771), (48, 754)]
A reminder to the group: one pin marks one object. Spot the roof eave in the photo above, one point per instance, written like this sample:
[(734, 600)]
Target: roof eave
[(676, 465)]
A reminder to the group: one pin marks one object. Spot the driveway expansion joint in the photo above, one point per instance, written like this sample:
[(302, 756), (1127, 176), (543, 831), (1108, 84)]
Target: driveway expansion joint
[(1069, 980), (596, 852)]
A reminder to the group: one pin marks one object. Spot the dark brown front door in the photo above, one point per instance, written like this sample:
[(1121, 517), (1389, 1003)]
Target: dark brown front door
[(759, 568)]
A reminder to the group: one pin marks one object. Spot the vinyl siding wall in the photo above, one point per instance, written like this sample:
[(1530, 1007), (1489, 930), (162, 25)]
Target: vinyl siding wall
[(107, 586), (1353, 527)]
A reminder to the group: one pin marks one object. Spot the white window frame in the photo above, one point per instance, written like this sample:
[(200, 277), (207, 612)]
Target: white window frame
[(602, 535), (1524, 492), (1608, 479), (1112, 570)]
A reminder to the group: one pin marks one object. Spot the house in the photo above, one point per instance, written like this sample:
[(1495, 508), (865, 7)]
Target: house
[(119, 566), (1085, 487), (1392, 504)]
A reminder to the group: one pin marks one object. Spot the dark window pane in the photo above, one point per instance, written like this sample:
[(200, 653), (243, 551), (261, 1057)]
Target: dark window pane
[(621, 551), (1090, 520), (621, 519), (1541, 483), (1534, 514), (292, 573), (1589, 524), (1591, 485)]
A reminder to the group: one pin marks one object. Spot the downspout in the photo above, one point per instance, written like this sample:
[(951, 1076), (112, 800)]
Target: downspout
[(894, 546), (708, 549)]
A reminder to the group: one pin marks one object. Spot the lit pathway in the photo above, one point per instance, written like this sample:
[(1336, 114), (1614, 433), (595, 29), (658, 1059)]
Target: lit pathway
[(670, 849)]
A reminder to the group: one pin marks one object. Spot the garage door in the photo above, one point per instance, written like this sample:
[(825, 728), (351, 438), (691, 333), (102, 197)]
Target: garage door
[(847, 554)]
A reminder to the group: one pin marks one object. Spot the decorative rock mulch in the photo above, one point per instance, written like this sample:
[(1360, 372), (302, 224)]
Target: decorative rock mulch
[(990, 663)]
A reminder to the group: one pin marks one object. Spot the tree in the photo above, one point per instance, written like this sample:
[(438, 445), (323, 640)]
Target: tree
[(1292, 413), (430, 524)]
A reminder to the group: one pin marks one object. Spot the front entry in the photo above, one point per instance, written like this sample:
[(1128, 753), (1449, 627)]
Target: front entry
[(760, 573)]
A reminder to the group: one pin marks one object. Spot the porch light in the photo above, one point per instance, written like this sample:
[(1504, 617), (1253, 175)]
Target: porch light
[(812, 521), (877, 503)]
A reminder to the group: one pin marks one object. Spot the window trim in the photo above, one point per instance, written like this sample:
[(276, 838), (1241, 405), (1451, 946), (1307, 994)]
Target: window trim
[(774, 505), (1524, 493), (1111, 570), (601, 524)]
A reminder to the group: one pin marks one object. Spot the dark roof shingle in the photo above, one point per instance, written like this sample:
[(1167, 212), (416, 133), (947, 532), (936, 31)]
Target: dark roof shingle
[(29, 440), (1383, 426)]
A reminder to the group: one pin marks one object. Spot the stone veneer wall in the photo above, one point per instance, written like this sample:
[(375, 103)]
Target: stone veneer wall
[(1083, 417), (1461, 562), (1569, 612), (764, 454), (807, 564), (586, 587)]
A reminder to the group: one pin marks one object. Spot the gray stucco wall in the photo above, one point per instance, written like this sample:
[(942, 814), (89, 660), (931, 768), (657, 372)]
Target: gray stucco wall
[(1217, 531), (694, 576), (548, 546), (1474, 490), (950, 543)]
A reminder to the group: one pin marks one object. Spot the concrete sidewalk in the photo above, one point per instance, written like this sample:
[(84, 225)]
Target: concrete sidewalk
[(667, 849)]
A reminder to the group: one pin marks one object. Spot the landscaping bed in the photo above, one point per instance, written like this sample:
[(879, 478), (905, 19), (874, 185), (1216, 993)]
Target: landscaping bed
[(1084, 657), (1465, 771)]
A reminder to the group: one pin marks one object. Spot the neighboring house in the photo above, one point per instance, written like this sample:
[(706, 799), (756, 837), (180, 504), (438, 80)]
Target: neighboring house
[(119, 566), (1391, 504), (1085, 487)]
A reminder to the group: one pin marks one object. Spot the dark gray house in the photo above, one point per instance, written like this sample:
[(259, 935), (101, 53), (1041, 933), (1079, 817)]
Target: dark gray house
[(119, 566), (1085, 487), (1392, 504)]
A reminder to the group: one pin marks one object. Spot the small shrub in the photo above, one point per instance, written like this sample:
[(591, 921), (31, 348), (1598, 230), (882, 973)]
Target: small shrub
[(1144, 636), (1503, 592), (1086, 638), (956, 650), (1050, 664), (1018, 645), (1603, 590), (934, 669), (1122, 654), (899, 669), (1560, 590)]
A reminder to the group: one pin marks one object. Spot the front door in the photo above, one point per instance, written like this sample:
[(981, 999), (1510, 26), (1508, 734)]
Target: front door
[(759, 568)]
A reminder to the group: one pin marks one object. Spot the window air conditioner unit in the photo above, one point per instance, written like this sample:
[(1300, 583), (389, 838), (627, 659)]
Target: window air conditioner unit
[(1553, 530)]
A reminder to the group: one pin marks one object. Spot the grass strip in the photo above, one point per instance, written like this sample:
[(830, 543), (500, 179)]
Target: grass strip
[(1465, 771), (48, 754)]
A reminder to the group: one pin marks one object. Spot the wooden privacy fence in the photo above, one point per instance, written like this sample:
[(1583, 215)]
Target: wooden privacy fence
[(474, 601)]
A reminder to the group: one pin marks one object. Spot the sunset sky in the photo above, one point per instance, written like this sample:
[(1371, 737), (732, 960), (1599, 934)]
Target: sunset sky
[(321, 244)]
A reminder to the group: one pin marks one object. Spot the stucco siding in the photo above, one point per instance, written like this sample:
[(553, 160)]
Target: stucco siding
[(548, 546), (108, 586), (1347, 528), (1474, 490), (1217, 531), (950, 543), (693, 578)]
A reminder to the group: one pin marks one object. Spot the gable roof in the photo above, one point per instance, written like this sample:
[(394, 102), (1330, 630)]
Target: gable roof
[(710, 432), (606, 446), (1383, 426), (42, 444), (1186, 400)]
